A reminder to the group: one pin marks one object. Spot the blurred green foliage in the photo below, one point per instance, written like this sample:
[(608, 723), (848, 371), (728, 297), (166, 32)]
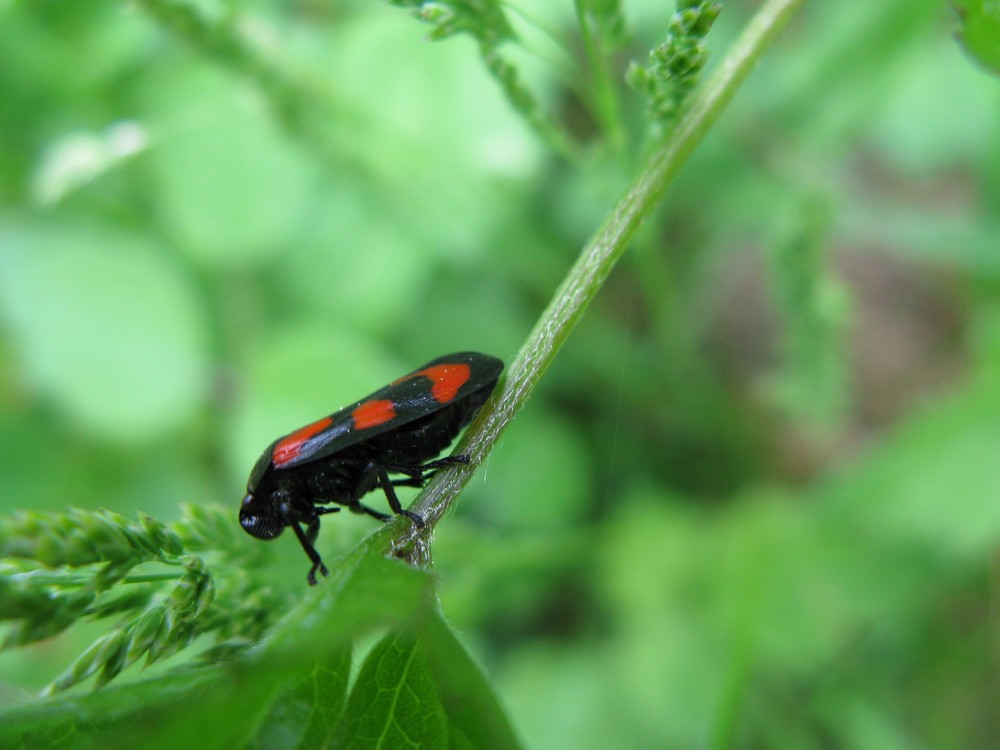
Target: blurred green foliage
[(753, 503)]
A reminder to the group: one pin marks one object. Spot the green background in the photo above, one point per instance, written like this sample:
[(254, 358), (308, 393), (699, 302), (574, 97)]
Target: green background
[(754, 501)]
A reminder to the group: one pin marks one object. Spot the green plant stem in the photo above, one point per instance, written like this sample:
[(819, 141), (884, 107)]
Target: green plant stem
[(587, 275), (605, 99)]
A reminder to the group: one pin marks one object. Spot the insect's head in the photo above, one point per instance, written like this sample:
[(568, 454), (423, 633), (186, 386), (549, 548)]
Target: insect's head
[(259, 514), (259, 519)]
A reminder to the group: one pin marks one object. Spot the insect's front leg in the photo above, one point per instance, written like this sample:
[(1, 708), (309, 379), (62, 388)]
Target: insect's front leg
[(295, 517), (312, 528), (306, 539)]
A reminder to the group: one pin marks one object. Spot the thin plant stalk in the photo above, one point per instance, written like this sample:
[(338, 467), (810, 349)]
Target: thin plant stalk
[(588, 274)]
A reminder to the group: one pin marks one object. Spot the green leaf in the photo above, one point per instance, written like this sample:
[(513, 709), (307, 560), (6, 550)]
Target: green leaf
[(94, 720), (365, 591), (304, 716), (979, 31), (394, 703), (475, 717), (231, 188)]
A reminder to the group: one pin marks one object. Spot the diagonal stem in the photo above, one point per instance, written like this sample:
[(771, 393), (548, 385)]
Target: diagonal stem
[(587, 275)]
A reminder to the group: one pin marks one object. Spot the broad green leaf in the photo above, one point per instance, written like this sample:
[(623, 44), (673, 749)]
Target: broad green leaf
[(364, 591), (473, 712), (394, 704), (106, 325), (304, 716), (99, 719)]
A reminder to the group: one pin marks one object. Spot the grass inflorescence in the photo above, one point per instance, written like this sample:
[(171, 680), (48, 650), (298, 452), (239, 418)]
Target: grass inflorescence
[(674, 66), (60, 568)]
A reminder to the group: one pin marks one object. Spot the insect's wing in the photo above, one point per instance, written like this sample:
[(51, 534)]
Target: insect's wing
[(417, 394)]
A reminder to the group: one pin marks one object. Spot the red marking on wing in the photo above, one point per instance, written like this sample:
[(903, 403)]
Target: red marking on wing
[(290, 445), (447, 379), (373, 413)]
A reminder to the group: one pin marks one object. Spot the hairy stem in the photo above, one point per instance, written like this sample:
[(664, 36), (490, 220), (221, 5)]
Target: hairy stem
[(592, 267)]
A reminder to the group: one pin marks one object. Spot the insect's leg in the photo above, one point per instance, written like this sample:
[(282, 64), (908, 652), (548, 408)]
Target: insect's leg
[(312, 528), (417, 476), (390, 495), (409, 482), (361, 508), (417, 471), (461, 458), (306, 539), (429, 470)]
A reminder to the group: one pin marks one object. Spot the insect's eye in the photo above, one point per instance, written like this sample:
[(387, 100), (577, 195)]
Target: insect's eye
[(262, 526)]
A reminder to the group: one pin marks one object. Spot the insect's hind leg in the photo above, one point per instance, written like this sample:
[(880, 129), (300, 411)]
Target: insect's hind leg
[(393, 503), (434, 466), (362, 508), (385, 483), (418, 475)]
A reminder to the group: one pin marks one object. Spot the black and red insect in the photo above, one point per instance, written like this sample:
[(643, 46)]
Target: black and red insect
[(341, 458)]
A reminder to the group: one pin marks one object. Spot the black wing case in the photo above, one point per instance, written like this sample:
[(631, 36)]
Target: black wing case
[(435, 385)]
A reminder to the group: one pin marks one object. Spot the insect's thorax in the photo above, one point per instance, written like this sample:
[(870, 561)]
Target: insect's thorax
[(338, 478)]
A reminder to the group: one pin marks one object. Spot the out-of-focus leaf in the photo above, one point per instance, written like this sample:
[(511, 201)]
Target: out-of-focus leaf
[(542, 479), (365, 273), (767, 588), (921, 137), (543, 680), (934, 481), (106, 326), (440, 165), (231, 187), (656, 570), (979, 31)]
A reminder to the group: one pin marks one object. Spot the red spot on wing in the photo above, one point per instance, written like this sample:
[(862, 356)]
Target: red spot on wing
[(447, 379), (290, 445), (373, 413)]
